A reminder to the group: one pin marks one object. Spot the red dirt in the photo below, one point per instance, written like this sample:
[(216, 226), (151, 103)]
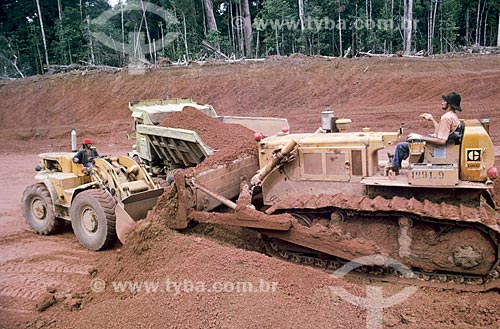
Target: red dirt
[(229, 141), (36, 114)]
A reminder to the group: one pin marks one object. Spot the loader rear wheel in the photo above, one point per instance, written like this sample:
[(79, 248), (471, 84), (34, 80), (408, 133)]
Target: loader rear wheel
[(93, 219), (38, 210)]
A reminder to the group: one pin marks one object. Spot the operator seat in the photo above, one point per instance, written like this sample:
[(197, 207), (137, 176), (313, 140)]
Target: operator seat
[(448, 153)]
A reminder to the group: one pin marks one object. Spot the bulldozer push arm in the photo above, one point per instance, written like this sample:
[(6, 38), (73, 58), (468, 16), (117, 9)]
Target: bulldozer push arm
[(187, 184)]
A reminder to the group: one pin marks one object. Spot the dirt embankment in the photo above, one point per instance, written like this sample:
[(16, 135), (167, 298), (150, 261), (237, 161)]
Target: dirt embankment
[(380, 93)]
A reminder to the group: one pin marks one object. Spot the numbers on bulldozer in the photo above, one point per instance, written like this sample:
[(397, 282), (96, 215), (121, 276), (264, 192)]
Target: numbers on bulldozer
[(427, 174)]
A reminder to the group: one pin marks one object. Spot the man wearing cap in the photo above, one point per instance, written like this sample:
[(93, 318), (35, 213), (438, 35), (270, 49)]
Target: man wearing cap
[(86, 154), (447, 125)]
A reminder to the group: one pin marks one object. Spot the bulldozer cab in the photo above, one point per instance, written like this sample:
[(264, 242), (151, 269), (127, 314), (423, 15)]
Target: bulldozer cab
[(467, 155), (448, 153)]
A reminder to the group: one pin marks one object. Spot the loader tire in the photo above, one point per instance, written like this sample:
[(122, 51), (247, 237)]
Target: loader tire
[(38, 210), (93, 219)]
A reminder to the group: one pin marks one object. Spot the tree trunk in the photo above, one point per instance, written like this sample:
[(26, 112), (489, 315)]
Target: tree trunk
[(476, 40), (43, 33), (485, 25), (232, 36), (408, 25), (301, 15), (209, 11), (61, 36), (59, 10), (498, 32), (257, 45), (123, 33), (147, 28), (341, 52), (211, 23), (430, 49), (467, 33), (241, 42), (277, 42), (185, 37), (429, 28), (247, 30), (392, 30), (91, 43)]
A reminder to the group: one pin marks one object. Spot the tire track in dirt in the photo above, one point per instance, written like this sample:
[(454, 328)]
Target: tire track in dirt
[(31, 280)]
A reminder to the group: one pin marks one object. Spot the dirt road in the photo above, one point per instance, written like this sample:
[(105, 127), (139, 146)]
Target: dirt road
[(31, 264)]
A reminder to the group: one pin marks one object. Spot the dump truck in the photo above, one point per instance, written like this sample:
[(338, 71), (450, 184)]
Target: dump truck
[(163, 149), (324, 199)]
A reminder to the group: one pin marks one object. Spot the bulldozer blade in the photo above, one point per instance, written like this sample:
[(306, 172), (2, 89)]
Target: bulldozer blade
[(132, 209)]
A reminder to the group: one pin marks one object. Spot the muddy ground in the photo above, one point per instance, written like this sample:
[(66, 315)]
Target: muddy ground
[(37, 113)]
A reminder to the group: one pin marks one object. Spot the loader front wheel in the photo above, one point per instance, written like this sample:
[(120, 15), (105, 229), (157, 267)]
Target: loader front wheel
[(93, 219), (38, 210)]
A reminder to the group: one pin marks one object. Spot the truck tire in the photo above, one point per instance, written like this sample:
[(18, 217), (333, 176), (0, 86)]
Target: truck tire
[(93, 219), (38, 210)]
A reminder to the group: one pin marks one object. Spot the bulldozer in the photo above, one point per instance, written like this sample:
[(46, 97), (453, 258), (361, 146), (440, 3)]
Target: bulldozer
[(112, 190), (325, 198)]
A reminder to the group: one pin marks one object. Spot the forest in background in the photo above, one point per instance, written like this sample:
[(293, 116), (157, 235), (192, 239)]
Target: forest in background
[(38, 34)]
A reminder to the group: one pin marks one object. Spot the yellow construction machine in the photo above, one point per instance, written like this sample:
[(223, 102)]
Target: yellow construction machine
[(113, 190), (325, 199)]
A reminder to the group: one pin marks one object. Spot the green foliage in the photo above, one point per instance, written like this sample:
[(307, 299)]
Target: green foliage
[(366, 25)]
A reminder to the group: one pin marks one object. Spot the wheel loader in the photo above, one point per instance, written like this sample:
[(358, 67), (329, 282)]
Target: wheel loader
[(105, 201), (325, 198), (113, 189)]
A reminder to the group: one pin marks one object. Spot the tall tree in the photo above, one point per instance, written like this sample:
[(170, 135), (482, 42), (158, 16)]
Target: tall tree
[(213, 32), (247, 28), (478, 25), (42, 30), (341, 51), (209, 11), (498, 33), (408, 25), (301, 15), (431, 26)]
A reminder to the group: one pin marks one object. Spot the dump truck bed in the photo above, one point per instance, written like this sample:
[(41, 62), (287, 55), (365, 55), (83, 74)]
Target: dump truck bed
[(180, 147)]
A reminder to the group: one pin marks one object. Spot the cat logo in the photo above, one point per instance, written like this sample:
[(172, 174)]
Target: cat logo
[(473, 155)]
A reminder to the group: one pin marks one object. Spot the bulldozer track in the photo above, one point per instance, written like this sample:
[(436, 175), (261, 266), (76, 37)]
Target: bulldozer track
[(395, 206), (482, 218), (372, 273)]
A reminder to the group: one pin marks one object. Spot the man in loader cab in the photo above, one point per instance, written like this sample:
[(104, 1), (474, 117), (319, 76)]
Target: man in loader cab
[(86, 154), (443, 130)]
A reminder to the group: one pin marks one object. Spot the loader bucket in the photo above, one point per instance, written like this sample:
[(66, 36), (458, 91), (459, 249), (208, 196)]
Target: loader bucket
[(132, 209)]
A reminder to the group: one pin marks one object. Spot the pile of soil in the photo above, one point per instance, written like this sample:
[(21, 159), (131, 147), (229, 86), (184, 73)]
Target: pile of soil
[(185, 275), (230, 141), (281, 296)]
